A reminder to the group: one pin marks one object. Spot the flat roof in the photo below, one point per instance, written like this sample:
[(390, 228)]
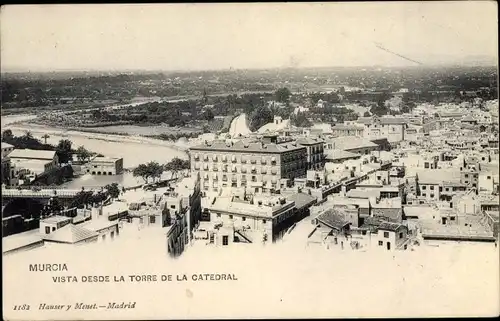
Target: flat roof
[(248, 147), (31, 153), (19, 240), (55, 219)]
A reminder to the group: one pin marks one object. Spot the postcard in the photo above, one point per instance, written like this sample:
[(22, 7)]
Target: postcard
[(250, 160)]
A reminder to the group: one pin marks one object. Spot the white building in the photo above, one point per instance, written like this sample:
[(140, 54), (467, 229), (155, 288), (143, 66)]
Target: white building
[(105, 166)]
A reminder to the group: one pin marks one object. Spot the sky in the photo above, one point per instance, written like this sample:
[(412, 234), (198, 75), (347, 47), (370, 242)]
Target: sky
[(244, 35)]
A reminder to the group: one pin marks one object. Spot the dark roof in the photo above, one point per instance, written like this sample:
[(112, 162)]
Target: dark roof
[(241, 146), (389, 226), (393, 214), (333, 219), (301, 200)]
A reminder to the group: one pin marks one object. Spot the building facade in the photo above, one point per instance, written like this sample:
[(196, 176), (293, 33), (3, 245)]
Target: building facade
[(105, 166), (252, 165)]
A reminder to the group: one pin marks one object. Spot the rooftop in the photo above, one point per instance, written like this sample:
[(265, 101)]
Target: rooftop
[(33, 154), (348, 143), (389, 226), (338, 154), (301, 199), (247, 147), (70, 234), (55, 219), (6, 145), (309, 141), (332, 218), (438, 176), (19, 240)]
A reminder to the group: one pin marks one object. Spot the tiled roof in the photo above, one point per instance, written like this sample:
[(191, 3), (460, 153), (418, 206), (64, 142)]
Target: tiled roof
[(248, 147), (332, 219), (390, 226), (392, 214)]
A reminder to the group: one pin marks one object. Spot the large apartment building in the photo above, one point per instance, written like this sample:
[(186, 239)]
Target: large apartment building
[(257, 165)]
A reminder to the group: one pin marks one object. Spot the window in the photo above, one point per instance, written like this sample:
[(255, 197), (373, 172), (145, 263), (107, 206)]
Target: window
[(264, 221), (432, 195), (218, 214), (112, 234), (152, 219), (225, 240), (243, 219), (386, 234), (104, 237), (424, 187), (380, 243), (172, 206), (488, 177), (432, 188), (400, 235), (426, 165), (230, 217), (424, 195), (53, 229), (47, 230), (466, 175)]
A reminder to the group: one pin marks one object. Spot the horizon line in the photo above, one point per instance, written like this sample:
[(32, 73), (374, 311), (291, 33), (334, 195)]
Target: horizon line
[(159, 70)]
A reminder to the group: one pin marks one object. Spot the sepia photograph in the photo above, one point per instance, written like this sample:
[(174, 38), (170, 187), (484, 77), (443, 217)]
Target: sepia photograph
[(250, 160)]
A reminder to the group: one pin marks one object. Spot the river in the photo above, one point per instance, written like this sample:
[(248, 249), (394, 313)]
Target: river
[(134, 150)]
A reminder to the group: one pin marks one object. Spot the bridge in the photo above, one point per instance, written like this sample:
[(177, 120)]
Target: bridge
[(42, 193)]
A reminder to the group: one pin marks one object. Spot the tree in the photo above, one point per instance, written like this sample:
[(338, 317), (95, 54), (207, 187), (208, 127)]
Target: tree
[(82, 154), (282, 95), (142, 171), (155, 169), (177, 165), (260, 117), (28, 135), (149, 170), (63, 150), (113, 190), (45, 136), (7, 134), (300, 120)]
